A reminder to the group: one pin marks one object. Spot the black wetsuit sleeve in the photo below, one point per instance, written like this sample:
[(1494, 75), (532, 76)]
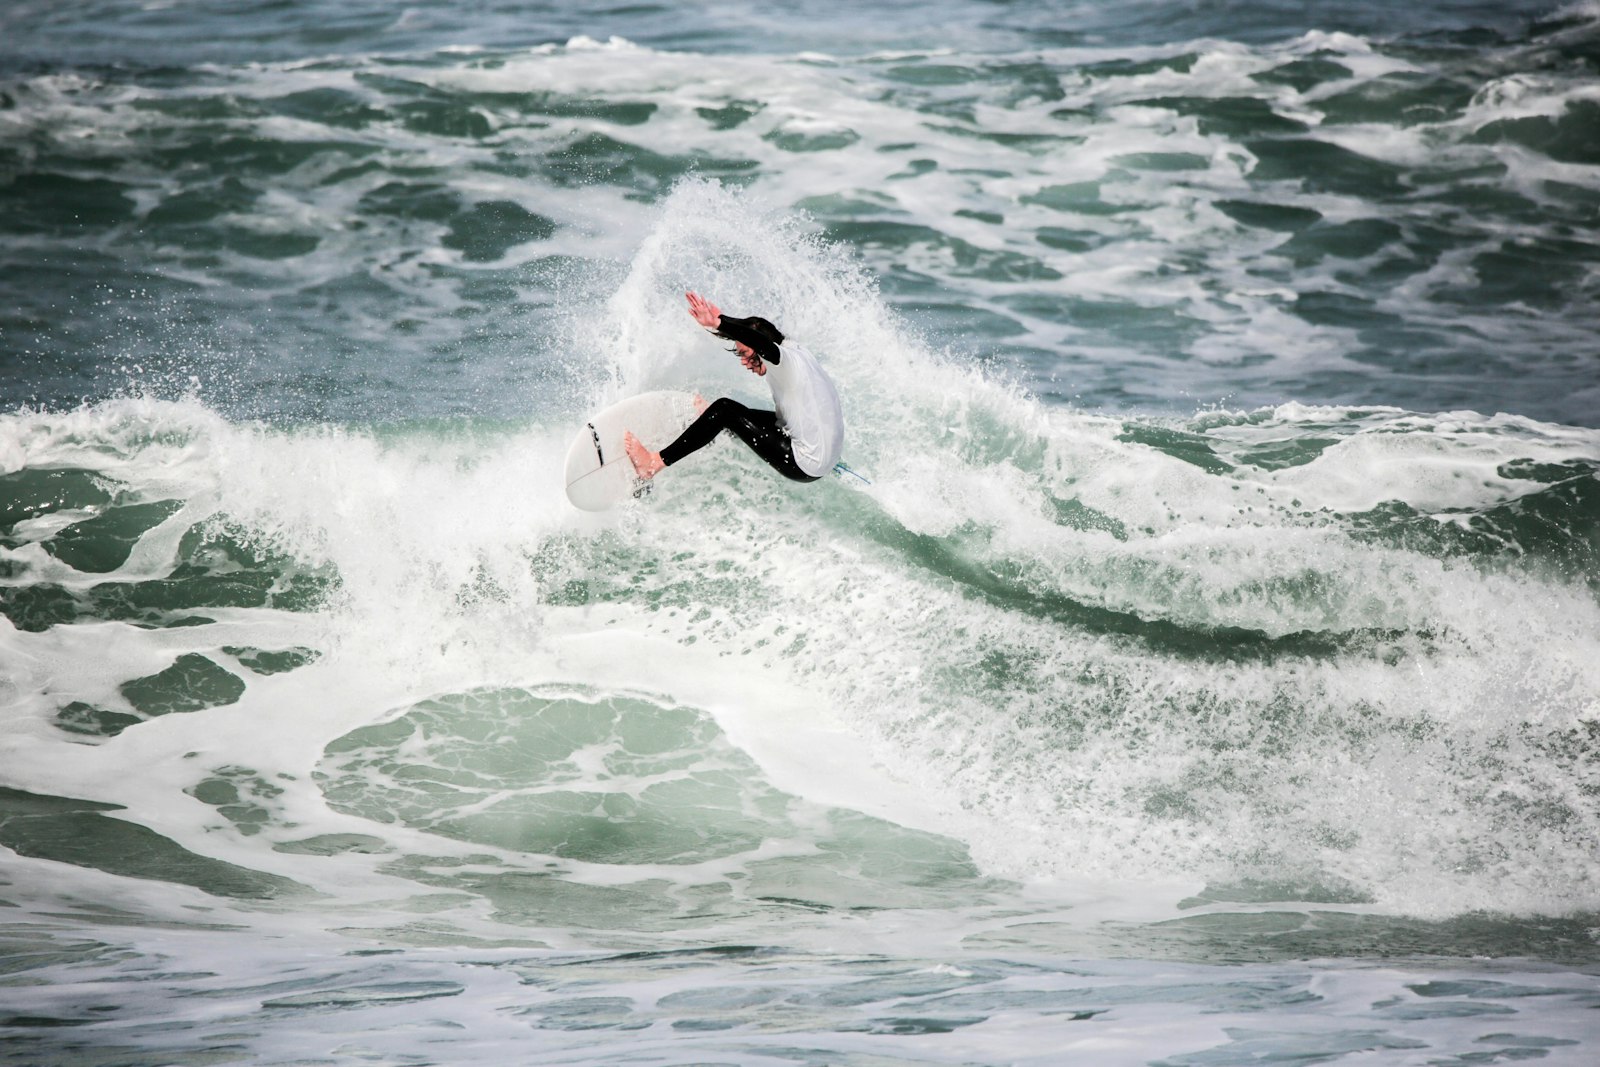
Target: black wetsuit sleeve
[(735, 330)]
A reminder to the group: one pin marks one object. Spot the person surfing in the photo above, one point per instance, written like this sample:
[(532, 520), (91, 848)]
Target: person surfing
[(801, 440)]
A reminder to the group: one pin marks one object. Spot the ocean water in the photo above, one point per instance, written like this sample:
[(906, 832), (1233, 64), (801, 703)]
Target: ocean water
[(1207, 674)]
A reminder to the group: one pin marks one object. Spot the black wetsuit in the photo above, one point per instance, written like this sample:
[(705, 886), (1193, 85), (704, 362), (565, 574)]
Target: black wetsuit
[(756, 428)]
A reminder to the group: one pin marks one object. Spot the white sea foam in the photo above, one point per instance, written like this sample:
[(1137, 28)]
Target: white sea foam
[(1218, 686), (1021, 721)]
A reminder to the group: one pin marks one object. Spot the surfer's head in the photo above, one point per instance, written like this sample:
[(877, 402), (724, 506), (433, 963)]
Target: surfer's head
[(764, 328), (748, 357), (751, 357)]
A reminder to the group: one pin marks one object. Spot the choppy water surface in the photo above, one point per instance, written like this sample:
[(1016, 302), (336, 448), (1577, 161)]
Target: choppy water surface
[(1207, 675)]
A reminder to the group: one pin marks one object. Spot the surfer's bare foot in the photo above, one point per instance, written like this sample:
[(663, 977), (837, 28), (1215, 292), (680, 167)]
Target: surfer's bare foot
[(700, 405), (646, 464)]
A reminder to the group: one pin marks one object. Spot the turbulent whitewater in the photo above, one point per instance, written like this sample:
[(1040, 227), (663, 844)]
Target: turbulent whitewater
[(1208, 673)]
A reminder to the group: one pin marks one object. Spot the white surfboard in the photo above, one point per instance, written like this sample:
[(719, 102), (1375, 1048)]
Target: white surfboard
[(599, 473)]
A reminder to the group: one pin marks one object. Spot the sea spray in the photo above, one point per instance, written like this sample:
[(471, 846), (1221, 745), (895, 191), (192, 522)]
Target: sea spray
[(1179, 661), (1222, 599)]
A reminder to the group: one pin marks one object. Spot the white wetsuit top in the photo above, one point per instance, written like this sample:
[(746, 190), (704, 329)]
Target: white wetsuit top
[(808, 408)]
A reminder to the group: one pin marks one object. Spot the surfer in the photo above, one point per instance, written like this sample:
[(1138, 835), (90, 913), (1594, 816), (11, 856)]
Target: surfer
[(801, 440)]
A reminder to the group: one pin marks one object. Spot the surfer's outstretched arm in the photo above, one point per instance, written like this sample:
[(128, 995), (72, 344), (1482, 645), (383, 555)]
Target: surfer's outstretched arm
[(754, 333), (704, 311)]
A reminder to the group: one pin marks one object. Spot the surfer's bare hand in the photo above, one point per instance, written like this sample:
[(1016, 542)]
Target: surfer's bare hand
[(704, 311)]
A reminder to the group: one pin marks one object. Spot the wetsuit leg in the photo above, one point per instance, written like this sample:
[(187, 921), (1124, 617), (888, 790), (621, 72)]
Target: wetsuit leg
[(758, 429)]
